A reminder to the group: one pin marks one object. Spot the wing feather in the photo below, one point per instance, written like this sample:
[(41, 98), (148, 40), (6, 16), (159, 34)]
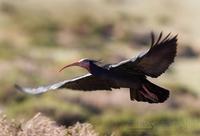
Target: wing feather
[(155, 61), (87, 82)]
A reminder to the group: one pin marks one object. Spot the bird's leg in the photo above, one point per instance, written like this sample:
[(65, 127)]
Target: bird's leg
[(147, 96), (149, 93)]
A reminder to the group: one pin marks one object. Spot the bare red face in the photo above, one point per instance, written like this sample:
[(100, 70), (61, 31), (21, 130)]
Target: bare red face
[(84, 63)]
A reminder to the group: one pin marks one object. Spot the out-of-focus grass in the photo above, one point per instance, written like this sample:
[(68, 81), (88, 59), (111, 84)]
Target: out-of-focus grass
[(122, 124), (7, 51), (155, 124), (41, 125), (117, 122), (64, 112)]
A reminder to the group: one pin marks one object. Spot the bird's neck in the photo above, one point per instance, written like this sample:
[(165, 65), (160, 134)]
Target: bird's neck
[(96, 70)]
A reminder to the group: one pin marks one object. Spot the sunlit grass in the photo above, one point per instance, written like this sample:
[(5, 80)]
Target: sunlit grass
[(42, 125)]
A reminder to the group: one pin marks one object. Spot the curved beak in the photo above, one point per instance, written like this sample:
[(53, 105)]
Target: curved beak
[(73, 64)]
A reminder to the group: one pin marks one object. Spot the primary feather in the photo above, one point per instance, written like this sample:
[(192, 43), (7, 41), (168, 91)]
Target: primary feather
[(87, 82), (155, 61)]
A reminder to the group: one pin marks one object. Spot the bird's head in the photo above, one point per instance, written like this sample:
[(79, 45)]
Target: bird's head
[(84, 63)]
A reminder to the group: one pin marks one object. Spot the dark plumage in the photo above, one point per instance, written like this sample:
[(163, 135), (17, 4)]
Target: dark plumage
[(126, 74)]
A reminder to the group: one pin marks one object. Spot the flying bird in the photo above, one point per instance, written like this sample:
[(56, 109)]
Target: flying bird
[(131, 73)]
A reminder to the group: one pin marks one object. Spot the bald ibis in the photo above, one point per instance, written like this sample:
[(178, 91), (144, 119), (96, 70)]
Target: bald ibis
[(130, 73)]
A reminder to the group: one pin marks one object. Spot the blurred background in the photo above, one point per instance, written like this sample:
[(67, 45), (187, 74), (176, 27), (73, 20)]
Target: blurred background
[(38, 37)]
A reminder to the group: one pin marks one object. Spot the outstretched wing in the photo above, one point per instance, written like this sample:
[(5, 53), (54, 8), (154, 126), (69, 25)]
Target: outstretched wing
[(155, 61), (87, 82)]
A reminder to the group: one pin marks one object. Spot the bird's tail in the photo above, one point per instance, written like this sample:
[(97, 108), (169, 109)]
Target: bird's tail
[(149, 92)]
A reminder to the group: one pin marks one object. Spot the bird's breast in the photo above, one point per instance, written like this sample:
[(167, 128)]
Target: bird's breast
[(121, 79), (125, 81)]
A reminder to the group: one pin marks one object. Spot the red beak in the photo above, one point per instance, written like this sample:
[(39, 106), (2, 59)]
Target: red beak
[(73, 64)]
